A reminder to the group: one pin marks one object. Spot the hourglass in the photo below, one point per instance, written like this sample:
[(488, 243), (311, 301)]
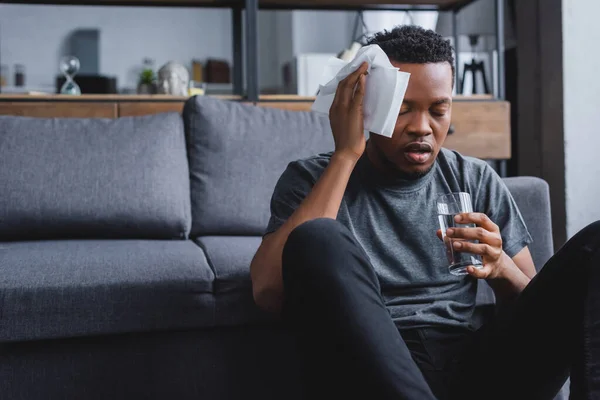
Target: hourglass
[(69, 66)]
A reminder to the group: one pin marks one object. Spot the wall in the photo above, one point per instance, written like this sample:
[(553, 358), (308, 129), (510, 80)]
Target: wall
[(296, 32), (581, 63), (321, 31), (34, 35)]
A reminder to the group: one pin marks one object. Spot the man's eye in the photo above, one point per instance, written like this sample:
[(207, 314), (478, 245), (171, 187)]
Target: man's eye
[(438, 113), (404, 111)]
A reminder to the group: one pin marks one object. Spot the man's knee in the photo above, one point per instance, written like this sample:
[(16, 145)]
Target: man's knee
[(314, 232), (315, 247), (582, 248), (588, 238), (593, 229)]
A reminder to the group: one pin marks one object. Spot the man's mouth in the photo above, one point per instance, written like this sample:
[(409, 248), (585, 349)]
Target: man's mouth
[(418, 152)]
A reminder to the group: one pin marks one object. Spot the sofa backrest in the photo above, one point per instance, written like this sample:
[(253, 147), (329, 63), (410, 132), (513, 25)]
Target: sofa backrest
[(532, 196), (533, 199), (93, 178), (237, 152)]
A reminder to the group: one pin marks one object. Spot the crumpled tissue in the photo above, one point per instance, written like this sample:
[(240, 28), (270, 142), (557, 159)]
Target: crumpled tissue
[(384, 91)]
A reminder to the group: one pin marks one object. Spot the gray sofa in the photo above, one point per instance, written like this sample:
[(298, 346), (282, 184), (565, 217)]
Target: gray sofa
[(125, 248)]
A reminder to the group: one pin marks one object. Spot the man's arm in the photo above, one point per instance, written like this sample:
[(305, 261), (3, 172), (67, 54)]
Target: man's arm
[(326, 196)]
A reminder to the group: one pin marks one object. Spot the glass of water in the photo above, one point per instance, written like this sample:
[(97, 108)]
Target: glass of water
[(448, 206)]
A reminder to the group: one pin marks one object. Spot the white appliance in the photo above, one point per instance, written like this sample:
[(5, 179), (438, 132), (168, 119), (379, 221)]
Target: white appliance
[(303, 75)]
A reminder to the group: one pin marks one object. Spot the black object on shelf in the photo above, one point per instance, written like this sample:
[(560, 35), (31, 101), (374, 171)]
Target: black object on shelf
[(85, 45), (474, 68), (217, 71), (19, 75), (91, 84)]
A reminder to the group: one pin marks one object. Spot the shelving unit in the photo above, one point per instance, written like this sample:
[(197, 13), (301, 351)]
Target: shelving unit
[(249, 37), (482, 122)]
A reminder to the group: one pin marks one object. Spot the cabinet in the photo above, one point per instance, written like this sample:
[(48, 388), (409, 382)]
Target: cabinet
[(480, 127)]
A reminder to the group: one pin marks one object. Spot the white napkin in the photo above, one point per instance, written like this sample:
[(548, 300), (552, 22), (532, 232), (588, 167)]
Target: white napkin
[(384, 92)]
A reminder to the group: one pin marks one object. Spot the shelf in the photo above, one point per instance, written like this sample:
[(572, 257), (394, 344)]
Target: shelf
[(283, 98), (365, 4), (103, 97), (481, 124), (269, 4)]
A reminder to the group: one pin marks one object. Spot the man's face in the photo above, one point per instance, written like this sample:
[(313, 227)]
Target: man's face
[(422, 123)]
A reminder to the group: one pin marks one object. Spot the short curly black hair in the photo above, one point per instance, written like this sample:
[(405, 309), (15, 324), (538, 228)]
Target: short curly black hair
[(413, 44)]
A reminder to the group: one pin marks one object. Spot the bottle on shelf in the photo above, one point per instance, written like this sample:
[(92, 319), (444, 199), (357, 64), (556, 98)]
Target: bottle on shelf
[(19, 75)]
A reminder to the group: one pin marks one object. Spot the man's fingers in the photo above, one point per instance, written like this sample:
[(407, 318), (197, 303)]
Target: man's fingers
[(481, 249), (346, 87), (479, 273), (479, 233), (439, 234), (478, 219), (359, 94), (353, 77)]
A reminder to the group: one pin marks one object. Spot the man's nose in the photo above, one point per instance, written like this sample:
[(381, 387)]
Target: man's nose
[(419, 125)]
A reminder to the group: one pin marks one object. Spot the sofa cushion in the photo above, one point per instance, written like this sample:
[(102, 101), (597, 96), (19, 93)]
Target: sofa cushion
[(532, 196), (533, 199), (53, 289), (93, 178), (230, 257), (236, 154)]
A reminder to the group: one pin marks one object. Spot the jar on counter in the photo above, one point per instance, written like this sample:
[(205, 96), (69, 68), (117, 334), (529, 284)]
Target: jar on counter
[(19, 75)]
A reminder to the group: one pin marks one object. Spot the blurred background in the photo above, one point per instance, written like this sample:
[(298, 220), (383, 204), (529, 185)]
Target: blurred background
[(543, 65), (118, 43)]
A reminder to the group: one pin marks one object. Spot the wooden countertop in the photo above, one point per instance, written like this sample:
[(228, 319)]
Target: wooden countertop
[(99, 97)]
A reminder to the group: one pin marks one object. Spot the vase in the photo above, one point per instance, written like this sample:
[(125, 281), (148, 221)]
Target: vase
[(146, 88)]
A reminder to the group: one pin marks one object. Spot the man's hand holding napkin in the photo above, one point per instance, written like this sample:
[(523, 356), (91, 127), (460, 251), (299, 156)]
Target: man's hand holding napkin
[(384, 91)]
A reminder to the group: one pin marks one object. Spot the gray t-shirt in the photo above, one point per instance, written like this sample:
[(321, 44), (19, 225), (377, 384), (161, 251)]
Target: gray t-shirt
[(395, 221)]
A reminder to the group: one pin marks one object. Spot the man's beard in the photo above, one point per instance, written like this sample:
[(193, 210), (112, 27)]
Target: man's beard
[(406, 175), (399, 173)]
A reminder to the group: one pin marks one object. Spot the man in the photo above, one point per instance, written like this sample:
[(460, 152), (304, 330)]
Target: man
[(352, 261)]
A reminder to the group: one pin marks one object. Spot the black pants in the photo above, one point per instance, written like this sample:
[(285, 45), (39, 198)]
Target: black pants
[(351, 348)]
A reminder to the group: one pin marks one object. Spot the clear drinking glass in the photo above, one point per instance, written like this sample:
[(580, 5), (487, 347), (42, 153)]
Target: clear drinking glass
[(449, 205)]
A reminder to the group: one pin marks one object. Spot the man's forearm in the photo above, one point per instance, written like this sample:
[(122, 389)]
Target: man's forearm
[(326, 196), (323, 201)]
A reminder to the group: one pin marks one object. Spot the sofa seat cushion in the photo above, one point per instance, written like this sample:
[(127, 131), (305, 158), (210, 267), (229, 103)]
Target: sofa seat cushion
[(71, 178), (54, 289), (230, 258)]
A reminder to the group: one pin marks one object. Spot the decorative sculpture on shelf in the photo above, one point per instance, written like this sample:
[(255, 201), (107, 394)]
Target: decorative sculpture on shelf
[(173, 78), (69, 66)]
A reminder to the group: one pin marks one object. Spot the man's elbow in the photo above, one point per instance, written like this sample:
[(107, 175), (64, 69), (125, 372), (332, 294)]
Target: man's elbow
[(268, 298), (267, 294)]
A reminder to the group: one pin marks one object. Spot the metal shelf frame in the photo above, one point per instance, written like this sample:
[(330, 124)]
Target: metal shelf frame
[(252, 7), (245, 41)]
